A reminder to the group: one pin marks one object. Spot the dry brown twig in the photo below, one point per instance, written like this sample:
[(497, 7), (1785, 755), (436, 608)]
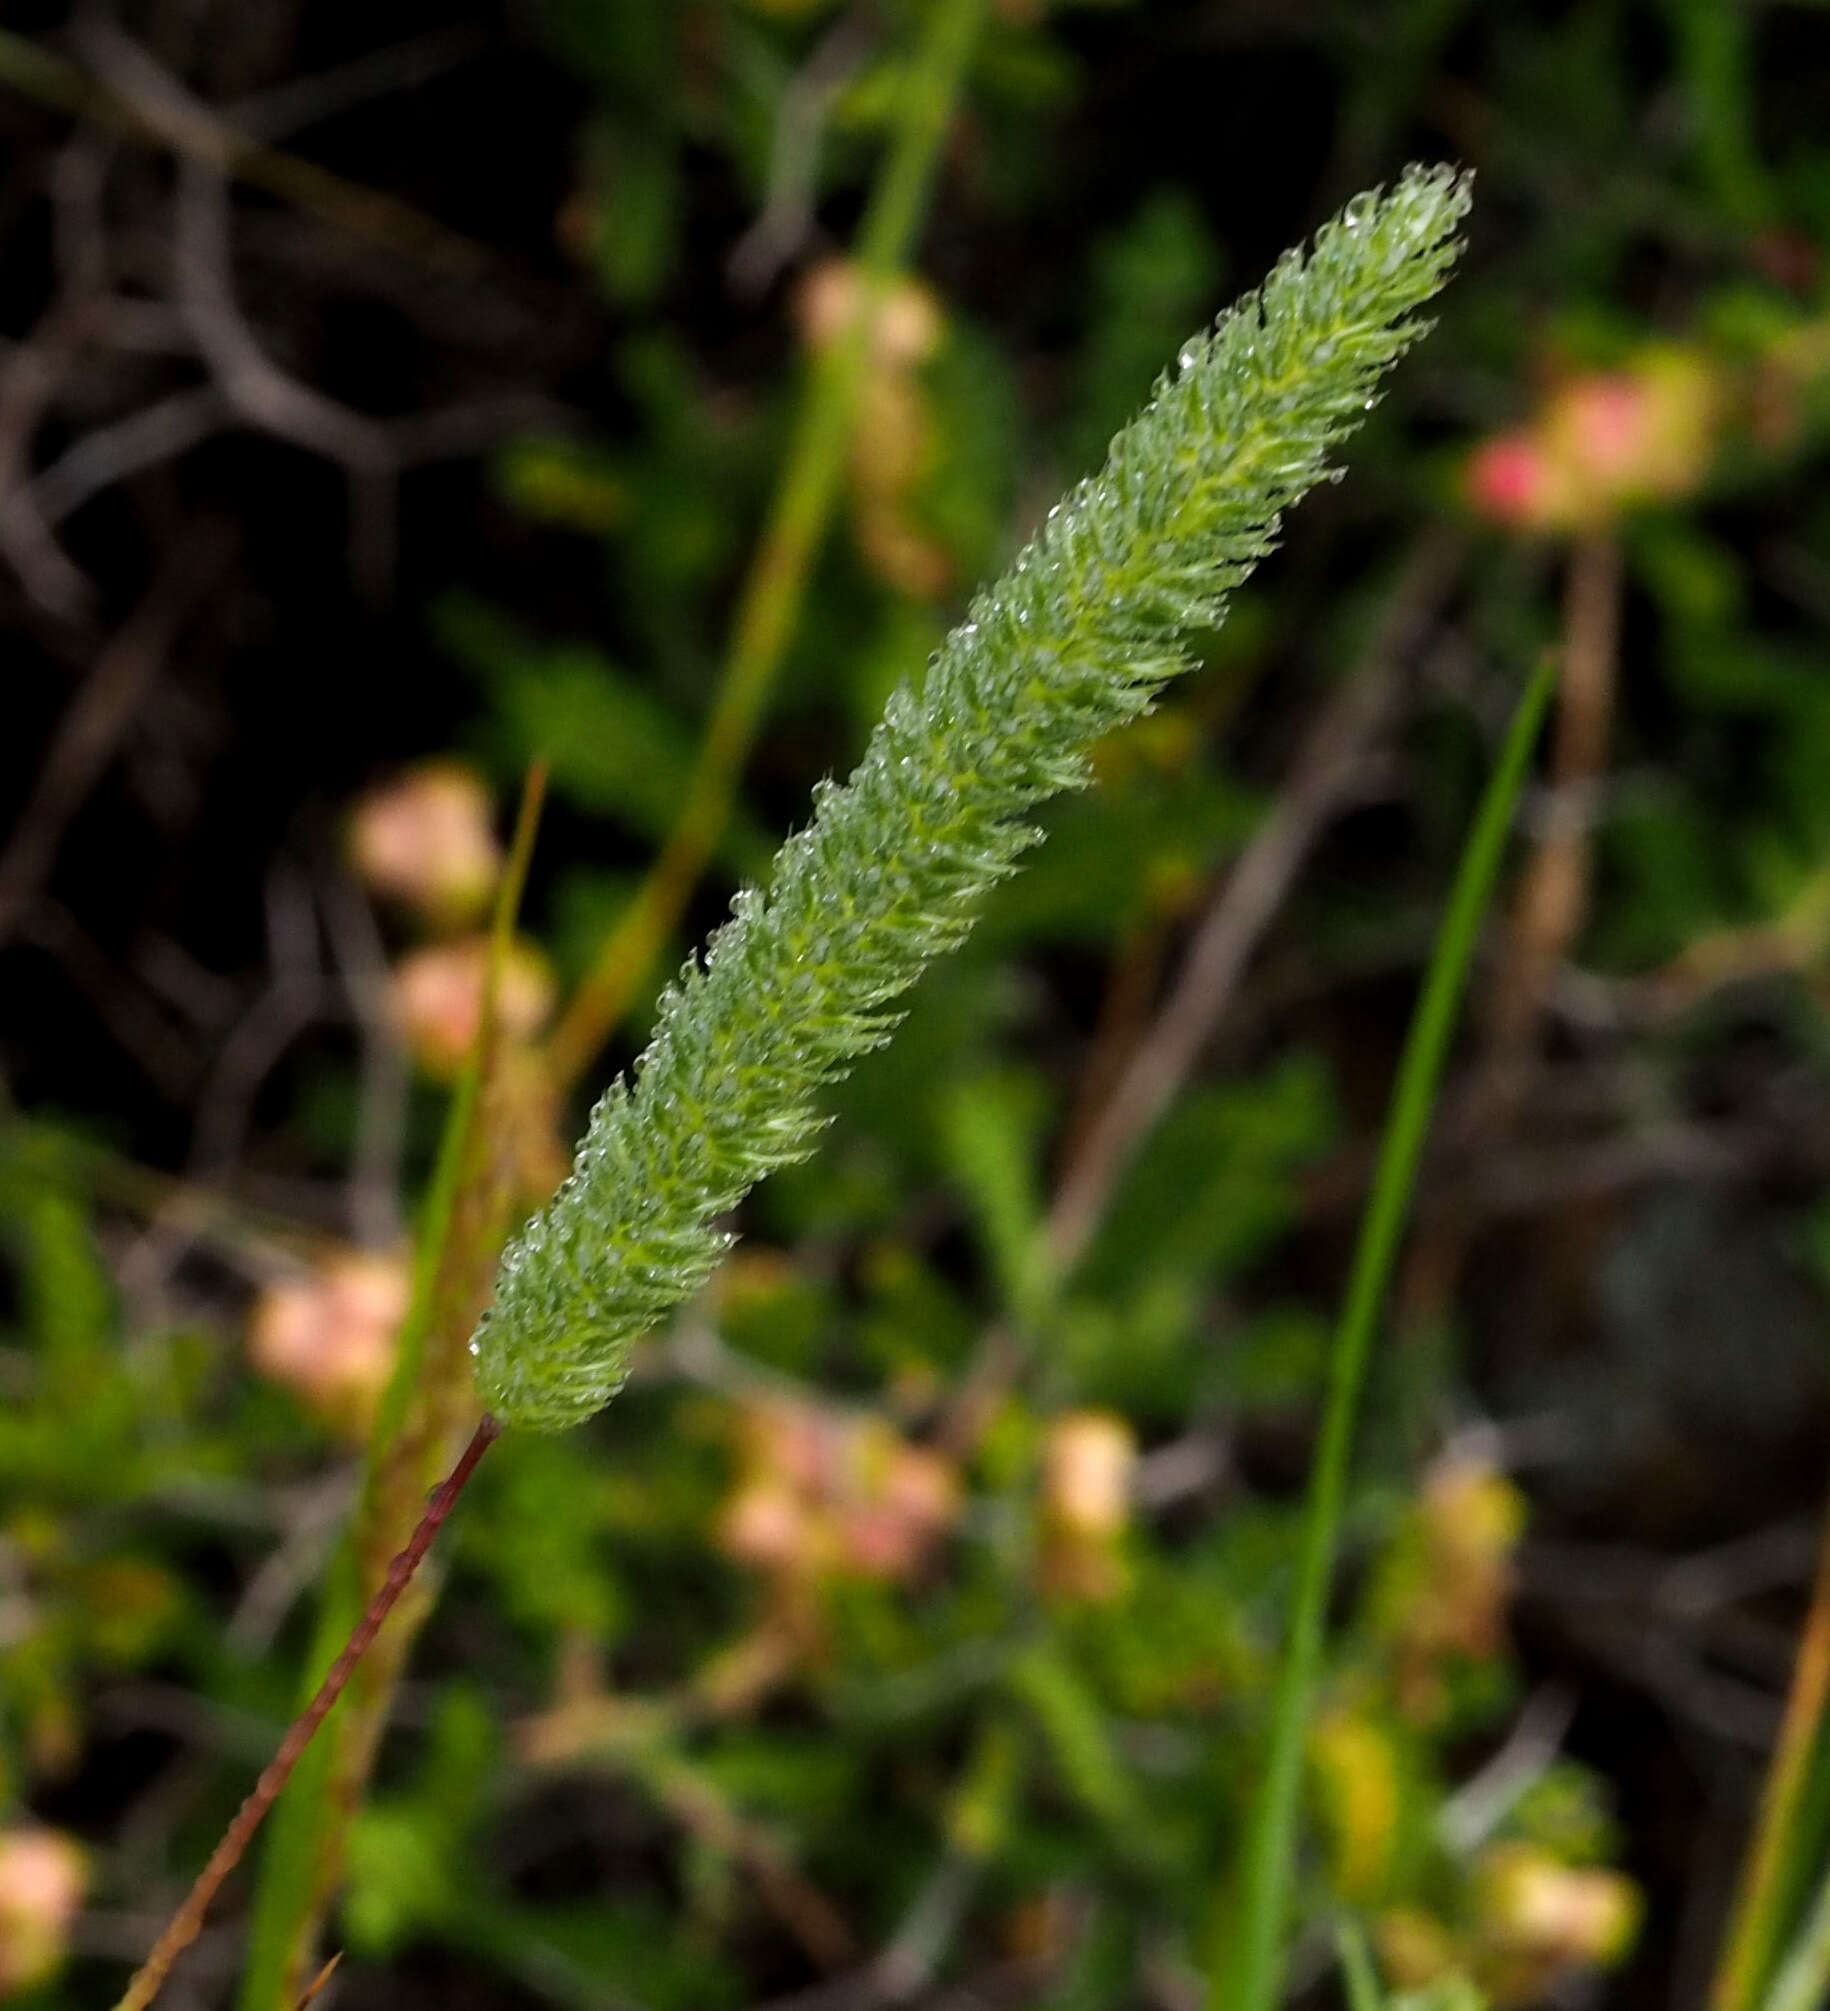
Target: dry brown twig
[(1553, 897), (132, 92), (31, 378), (123, 97), (786, 219), (93, 724)]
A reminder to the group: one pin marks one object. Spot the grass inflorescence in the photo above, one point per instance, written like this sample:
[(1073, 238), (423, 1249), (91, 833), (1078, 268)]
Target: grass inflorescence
[(1074, 640)]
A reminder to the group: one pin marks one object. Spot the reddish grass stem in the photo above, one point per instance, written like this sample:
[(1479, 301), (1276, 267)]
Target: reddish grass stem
[(187, 1921)]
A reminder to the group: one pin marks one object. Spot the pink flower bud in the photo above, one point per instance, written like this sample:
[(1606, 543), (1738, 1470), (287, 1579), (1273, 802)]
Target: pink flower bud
[(909, 321), (1603, 442), (1513, 481), (426, 840), (766, 1525), (1639, 435), (823, 1492), (330, 1336), (437, 999), (907, 1497)]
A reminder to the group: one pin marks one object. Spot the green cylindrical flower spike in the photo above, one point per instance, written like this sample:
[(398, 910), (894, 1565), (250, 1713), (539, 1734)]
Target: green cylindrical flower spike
[(1074, 640)]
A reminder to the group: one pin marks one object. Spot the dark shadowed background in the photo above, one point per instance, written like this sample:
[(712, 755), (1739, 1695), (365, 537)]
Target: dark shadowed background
[(392, 395)]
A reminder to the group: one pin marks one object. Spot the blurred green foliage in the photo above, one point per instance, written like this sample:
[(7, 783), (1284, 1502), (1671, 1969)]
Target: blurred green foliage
[(904, 1613)]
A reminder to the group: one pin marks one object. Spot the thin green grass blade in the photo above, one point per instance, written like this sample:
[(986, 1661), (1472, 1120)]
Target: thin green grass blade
[(1803, 1981), (1357, 1973), (1249, 1974)]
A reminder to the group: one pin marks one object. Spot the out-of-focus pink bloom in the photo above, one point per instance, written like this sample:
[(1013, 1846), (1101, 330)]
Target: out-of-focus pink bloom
[(437, 999), (911, 1496), (767, 1525), (1644, 434), (1511, 479), (825, 1493), (1601, 443), (330, 1336), (909, 321), (1603, 423), (42, 1875), (427, 839)]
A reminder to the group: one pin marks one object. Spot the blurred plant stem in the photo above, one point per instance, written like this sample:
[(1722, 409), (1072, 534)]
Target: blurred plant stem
[(429, 1399), (1248, 1974), (1554, 890), (1788, 1832), (769, 609)]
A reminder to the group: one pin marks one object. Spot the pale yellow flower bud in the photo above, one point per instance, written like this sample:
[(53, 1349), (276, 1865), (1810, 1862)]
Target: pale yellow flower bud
[(42, 1875), (1087, 1467)]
